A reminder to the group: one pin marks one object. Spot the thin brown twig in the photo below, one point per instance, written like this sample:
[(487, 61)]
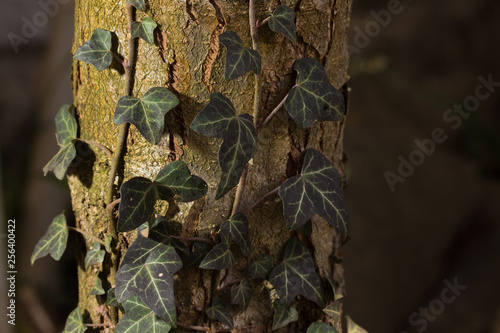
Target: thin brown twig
[(89, 235), (258, 202), (98, 145), (194, 239), (194, 328), (276, 109)]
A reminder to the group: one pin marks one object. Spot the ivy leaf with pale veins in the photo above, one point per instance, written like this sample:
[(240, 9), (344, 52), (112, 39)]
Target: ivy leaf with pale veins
[(239, 59), (219, 311), (198, 253), (54, 241), (261, 268), (241, 294), (138, 197), (74, 322), (296, 274), (139, 4), (283, 315), (283, 21), (138, 318), (334, 311), (352, 327), (321, 328), (160, 232), (94, 255), (97, 50), (148, 113), (112, 301), (218, 119), (176, 176), (313, 97), (144, 30), (236, 229), (315, 191), (66, 135), (97, 288), (219, 257)]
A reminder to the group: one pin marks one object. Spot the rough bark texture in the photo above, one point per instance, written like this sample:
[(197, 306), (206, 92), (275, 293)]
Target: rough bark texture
[(188, 60)]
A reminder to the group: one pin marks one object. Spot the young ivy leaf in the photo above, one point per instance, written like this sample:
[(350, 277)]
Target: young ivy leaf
[(261, 268), (236, 229), (177, 177), (94, 255), (54, 241), (283, 21), (139, 4), (138, 318), (146, 114), (218, 258), (296, 274), (334, 311), (283, 315), (218, 119), (352, 327), (315, 191), (144, 30), (239, 59), (74, 323), (97, 50), (313, 97), (66, 135), (97, 288), (112, 301), (241, 294), (219, 311), (321, 328)]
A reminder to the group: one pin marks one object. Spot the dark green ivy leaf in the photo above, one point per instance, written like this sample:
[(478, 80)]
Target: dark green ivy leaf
[(313, 97), (139, 4), (315, 191), (334, 310), (283, 21), (198, 253), (321, 328), (160, 232), (241, 294), (283, 315), (144, 30), (239, 59), (97, 288), (94, 255), (219, 257), (74, 323), (236, 229), (54, 241), (352, 327), (66, 135), (296, 274), (112, 301), (138, 318), (261, 268), (97, 50), (218, 119), (148, 113), (177, 177), (219, 311)]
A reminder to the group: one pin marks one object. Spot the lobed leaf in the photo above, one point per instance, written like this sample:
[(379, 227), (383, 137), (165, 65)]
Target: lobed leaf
[(97, 50), (74, 322), (94, 255), (321, 328), (112, 301), (315, 191), (177, 177), (283, 21), (144, 30), (313, 97), (334, 310), (97, 288), (352, 327), (261, 268), (160, 232), (54, 241), (283, 315), (61, 161), (241, 294), (219, 311), (219, 257), (139, 4), (198, 253), (138, 318), (239, 59), (236, 229)]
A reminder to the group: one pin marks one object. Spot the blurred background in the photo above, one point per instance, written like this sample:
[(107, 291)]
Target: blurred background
[(425, 237)]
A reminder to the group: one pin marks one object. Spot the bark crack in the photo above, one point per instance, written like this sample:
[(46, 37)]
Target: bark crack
[(213, 46)]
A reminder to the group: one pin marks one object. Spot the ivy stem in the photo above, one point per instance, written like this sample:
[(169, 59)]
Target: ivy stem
[(264, 21), (89, 235), (193, 328), (276, 109), (229, 283), (113, 204), (239, 191), (98, 145), (258, 202), (194, 239)]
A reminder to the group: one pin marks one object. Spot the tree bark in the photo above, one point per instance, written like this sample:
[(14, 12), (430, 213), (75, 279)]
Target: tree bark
[(188, 60)]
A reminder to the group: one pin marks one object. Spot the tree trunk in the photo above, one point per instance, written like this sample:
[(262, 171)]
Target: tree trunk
[(189, 60)]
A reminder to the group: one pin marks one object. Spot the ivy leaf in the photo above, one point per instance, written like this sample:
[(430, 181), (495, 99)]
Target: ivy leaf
[(236, 229), (144, 30), (112, 301), (107, 243), (176, 176), (66, 134), (148, 113), (97, 288), (334, 310), (138, 197), (283, 21), (198, 253), (261, 268), (218, 119), (313, 97), (352, 327), (239, 59), (74, 323), (321, 328), (283, 315), (97, 50), (315, 191), (94, 255), (241, 294), (219, 257), (160, 232), (54, 241), (296, 274), (219, 311), (139, 4), (138, 318)]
